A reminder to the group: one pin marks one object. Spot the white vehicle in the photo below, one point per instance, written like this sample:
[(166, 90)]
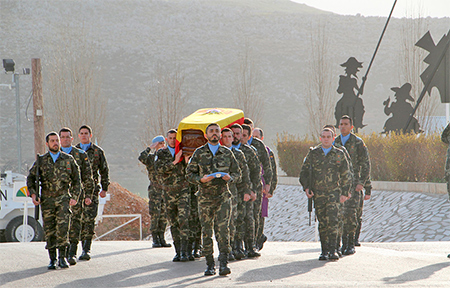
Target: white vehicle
[(13, 216)]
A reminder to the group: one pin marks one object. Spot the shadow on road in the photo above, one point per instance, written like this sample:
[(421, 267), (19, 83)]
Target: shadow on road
[(417, 274), (22, 274)]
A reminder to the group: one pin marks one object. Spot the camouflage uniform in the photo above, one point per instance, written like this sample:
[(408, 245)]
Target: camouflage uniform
[(177, 196), (445, 137), (87, 182), (264, 158), (156, 203), (195, 227), (273, 185), (99, 168), (214, 196), (60, 182), (246, 223), (240, 158), (359, 156), (331, 178)]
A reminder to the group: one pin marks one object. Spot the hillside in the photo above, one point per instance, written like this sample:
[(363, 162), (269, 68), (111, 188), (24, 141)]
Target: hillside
[(205, 39)]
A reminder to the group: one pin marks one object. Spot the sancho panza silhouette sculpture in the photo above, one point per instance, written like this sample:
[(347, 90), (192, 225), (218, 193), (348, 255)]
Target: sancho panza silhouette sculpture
[(350, 104), (401, 110)]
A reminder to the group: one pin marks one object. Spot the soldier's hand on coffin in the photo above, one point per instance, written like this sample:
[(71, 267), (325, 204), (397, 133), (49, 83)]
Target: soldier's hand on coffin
[(178, 157)]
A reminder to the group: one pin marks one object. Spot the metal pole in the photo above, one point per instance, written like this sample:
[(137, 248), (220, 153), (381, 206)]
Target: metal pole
[(19, 145)]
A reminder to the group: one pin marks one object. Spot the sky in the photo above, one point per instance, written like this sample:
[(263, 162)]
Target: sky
[(403, 8)]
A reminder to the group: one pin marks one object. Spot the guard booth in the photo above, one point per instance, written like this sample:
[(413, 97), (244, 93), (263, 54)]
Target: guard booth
[(191, 130)]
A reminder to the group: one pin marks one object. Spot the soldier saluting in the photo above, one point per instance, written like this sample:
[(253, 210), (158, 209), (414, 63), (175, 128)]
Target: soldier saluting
[(325, 175), (58, 173)]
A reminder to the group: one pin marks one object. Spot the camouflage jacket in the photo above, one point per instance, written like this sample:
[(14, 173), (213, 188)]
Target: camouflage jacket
[(359, 156), (273, 164), (203, 162), (148, 159), (85, 171), (243, 185), (263, 158), (330, 173), (254, 168), (173, 177), (99, 167), (56, 178)]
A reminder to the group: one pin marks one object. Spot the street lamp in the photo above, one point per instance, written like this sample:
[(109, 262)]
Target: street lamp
[(8, 65)]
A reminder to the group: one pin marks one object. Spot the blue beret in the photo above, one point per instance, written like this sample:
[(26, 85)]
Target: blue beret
[(158, 138)]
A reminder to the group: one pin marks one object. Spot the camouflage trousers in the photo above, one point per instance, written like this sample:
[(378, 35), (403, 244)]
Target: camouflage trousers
[(350, 213), (75, 221), (178, 211), (232, 224), (258, 218), (56, 217), (211, 210), (195, 228), (245, 222), (157, 209), (88, 218), (341, 222), (327, 212)]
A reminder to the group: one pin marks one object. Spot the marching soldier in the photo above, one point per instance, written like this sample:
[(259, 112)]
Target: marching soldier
[(156, 203), (61, 186), (246, 221), (171, 167), (87, 182), (359, 157), (212, 167), (325, 175), (99, 169)]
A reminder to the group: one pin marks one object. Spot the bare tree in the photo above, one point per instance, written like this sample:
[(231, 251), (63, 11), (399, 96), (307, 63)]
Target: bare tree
[(74, 78), (246, 92), (412, 65), (165, 102), (320, 89)]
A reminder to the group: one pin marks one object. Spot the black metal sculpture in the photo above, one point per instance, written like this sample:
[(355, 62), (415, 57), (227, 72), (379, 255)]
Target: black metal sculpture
[(350, 104), (400, 110)]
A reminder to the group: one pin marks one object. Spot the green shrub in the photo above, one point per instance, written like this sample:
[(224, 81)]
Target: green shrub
[(394, 157)]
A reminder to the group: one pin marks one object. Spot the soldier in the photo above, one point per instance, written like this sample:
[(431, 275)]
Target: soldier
[(156, 203), (359, 210), (359, 157), (87, 182), (171, 167), (246, 220), (99, 168), (61, 187), (244, 182), (263, 157), (212, 167), (325, 175), (261, 238)]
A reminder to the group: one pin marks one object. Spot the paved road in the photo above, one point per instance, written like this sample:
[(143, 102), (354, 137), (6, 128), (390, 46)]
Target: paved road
[(134, 264)]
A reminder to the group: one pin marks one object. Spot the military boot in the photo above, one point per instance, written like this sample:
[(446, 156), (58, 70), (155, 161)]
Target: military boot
[(183, 250), (52, 256), (86, 254), (231, 256), (332, 250), (338, 247), (260, 242), (156, 241), (197, 251), (344, 243), (62, 263), (189, 251), (223, 268), (239, 250), (177, 257), (324, 255), (251, 253), (350, 245), (162, 241), (72, 259), (358, 231), (210, 266)]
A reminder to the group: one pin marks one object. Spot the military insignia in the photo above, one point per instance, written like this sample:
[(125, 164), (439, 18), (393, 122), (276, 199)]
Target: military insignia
[(218, 175)]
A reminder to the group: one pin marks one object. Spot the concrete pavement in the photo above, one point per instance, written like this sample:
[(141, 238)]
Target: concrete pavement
[(135, 264)]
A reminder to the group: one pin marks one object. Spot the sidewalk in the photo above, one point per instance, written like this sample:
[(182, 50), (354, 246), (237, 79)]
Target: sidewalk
[(295, 264)]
